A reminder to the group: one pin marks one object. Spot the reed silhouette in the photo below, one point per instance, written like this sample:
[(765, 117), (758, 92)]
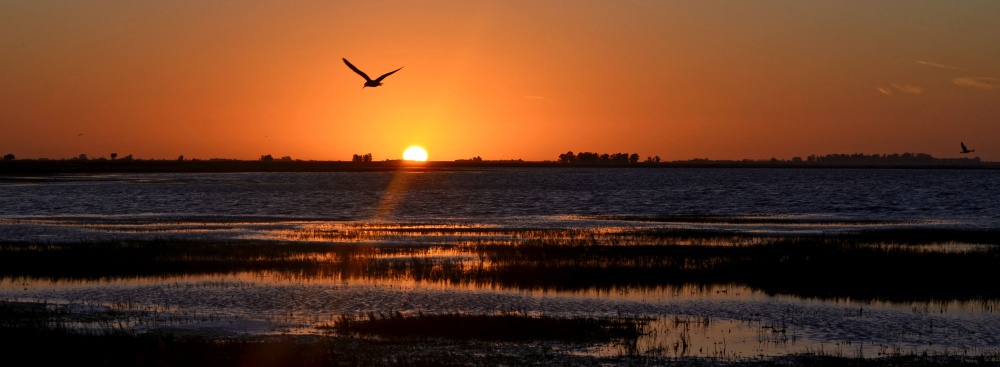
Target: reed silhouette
[(31, 332), (821, 266), (505, 326)]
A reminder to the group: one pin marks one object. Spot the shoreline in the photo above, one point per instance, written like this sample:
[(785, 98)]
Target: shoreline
[(22, 167)]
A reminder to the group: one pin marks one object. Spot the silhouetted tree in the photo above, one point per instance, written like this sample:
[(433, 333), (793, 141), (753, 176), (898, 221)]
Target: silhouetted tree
[(181, 158), (82, 157), (356, 158), (8, 157), (114, 155), (367, 157), (287, 158), (588, 157), (266, 158), (634, 158), (620, 158), (567, 157), (127, 158)]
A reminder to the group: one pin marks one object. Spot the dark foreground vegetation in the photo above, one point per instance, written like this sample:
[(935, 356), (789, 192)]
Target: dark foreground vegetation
[(32, 334), (891, 264), (506, 327), (884, 264)]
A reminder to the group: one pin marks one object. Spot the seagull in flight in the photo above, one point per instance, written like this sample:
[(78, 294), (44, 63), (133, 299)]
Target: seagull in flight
[(966, 150), (369, 82)]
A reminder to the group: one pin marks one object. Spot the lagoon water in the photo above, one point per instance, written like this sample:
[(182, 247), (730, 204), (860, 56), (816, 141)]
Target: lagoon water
[(529, 197), (727, 320)]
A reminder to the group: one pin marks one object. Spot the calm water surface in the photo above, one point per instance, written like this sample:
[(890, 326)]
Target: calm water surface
[(508, 197), (716, 320)]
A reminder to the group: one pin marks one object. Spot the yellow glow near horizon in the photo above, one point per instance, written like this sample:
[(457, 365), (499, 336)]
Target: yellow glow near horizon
[(415, 153)]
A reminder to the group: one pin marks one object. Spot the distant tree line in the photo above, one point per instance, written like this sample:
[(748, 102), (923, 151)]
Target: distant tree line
[(829, 159), (265, 158), (861, 158), (596, 158), (129, 158), (114, 156), (362, 158), (856, 159)]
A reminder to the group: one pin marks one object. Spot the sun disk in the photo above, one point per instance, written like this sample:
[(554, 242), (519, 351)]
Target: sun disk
[(415, 153)]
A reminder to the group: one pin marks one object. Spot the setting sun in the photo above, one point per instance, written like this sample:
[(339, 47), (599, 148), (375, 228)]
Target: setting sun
[(415, 153)]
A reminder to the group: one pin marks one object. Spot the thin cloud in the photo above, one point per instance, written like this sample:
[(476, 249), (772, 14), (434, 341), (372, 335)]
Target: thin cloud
[(908, 88), (936, 65), (884, 90), (983, 83)]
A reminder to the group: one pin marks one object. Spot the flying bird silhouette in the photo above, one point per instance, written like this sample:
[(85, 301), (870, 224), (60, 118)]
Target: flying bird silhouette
[(966, 150), (368, 81)]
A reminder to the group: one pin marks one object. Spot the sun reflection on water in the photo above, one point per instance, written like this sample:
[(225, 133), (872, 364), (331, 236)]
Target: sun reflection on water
[(489, 267)]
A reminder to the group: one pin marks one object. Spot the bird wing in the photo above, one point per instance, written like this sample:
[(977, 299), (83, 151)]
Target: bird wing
[(359, 71), (963, 146), (385, 75)]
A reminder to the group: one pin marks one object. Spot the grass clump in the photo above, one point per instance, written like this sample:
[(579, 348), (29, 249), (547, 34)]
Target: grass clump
[(28, 336), (505, 327)]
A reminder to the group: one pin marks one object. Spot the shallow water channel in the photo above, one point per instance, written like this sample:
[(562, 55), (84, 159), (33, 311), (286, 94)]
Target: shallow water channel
[(720, 320)]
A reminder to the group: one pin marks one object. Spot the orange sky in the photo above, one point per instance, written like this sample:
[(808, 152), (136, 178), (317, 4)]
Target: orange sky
[(498, 79)]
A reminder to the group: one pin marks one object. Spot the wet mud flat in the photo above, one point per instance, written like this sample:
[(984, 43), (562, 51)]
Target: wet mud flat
[(27, 332), (376, 294)]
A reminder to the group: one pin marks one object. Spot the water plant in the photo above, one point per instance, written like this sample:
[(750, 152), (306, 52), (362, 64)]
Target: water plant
[(508, 326), (844, 265)]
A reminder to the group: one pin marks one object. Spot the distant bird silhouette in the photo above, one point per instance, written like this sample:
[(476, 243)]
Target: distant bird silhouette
[(966, 150), (368, 81)]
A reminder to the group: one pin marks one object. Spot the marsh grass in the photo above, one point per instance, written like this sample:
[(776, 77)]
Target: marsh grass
[(95, 260), (50, 347), (878, 265), (807, 266), (505, 326), (28, 335)]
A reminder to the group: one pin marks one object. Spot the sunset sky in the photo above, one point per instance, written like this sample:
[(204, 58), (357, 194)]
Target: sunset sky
[(499, 79)]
